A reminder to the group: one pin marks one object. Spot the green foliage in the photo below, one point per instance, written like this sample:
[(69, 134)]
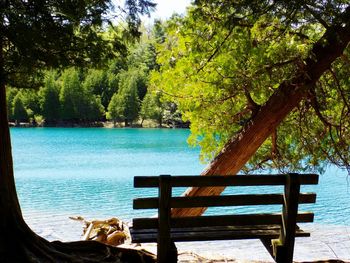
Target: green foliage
[(39, 120), (94, 108), (71, 95), (152, 108), (10, 95), (59, 33), (49, 98), (84, 95), (30, 100), (129, 87), (225, 59), (136, 78), (158, 31), (97, 82), (125, 104), (18, 110), (116, 109), (78, 103)]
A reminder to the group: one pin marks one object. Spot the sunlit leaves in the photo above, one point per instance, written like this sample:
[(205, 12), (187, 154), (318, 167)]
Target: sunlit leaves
[(219, 67)]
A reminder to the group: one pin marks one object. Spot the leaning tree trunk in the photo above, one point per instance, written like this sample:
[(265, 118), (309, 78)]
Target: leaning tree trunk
[(242, 147), (18, 243)]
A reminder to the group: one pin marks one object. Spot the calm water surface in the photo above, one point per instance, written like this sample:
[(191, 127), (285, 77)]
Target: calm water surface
[(62, 172)]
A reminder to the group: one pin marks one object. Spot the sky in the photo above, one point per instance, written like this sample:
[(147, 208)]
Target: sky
[(164, 9)]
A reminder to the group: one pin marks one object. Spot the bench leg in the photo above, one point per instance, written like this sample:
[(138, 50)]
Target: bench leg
[(280, 253), (283, 255), (167, 253)]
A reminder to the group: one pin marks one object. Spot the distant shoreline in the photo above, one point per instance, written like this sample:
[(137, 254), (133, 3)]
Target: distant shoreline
[(99, 124)]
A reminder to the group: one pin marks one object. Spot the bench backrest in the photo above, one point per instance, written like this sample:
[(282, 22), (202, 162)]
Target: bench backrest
[(290, 199)]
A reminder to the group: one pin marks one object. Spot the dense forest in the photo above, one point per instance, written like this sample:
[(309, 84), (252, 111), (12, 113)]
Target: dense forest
[(117, 92)]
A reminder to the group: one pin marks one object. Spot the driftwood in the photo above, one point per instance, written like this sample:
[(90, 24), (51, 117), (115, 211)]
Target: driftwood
[(111, 231)]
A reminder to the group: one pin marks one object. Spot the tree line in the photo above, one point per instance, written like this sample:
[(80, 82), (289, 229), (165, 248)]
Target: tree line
[(117, 92)]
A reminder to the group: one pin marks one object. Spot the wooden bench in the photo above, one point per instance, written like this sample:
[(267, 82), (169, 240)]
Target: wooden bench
[(277, 231)]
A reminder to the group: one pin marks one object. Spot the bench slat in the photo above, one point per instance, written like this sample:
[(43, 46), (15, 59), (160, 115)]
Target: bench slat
[(219, 180), (223, 220), (213, 228), (216, 233), (223, 200)]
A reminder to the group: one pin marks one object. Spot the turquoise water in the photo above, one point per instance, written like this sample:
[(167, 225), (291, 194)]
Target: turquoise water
[(61, 172)]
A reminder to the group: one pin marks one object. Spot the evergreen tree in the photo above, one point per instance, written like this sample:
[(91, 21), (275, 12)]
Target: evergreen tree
[(78, 103), (116, 109), (130, 85), (136, 77), (71, 99), (49, 98), (97, 82), (95, 108), (18, 110), (31, 103), (125, 104), (10, 95), (131, 104), (152, 108)]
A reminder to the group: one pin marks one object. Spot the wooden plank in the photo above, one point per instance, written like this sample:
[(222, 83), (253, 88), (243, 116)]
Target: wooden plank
[(146, 203), (213, 180), (214, 228), (227, 200), (239, 220), (218, 180), (198, 234), (217, 229), (163, 239), (307, 198), (211, 201), (224, 200)]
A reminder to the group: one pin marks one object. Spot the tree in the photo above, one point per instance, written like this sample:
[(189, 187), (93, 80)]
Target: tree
[(30, 101), (152, 108), (124, 106), (97, 82), (95, 109), (11, 94), (115, 109), (262, 84), (35, 35), (19, 112), (78, 103), (127, 98), (49, 98), (71, 95)]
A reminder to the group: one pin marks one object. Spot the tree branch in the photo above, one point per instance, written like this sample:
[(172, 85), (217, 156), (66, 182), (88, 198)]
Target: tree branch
[(317, 16), (216, 50), (316, 106)]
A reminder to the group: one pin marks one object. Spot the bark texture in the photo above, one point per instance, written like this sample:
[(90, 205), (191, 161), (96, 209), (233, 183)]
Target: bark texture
[(242, 147)]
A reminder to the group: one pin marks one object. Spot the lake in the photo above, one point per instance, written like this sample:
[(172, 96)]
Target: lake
[(62, 172)]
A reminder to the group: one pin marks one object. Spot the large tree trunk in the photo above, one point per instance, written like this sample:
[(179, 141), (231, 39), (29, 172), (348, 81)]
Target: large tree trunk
[(18, 243), (242, 147)]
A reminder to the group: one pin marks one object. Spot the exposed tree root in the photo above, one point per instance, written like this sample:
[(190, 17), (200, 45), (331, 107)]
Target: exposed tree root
[(29, 247)]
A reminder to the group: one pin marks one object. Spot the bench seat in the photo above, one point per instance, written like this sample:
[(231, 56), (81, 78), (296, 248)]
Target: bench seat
[(214, 233)]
